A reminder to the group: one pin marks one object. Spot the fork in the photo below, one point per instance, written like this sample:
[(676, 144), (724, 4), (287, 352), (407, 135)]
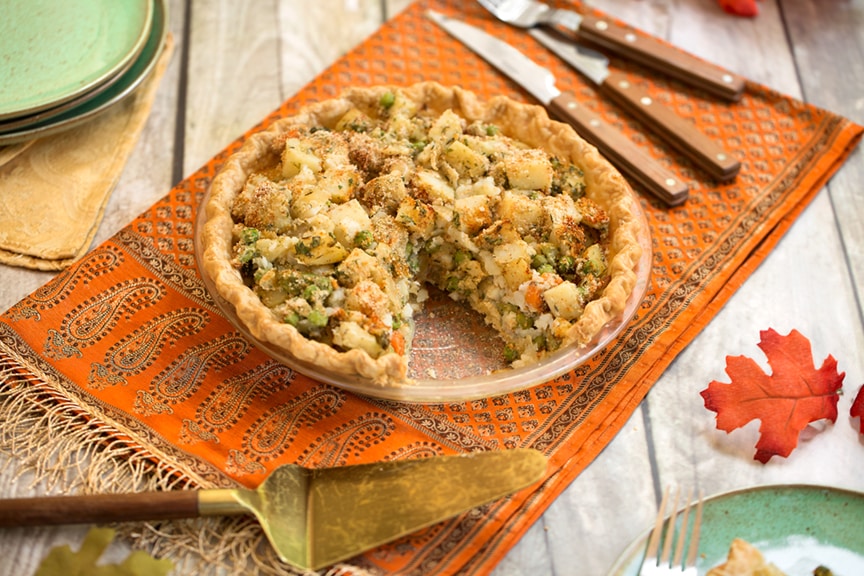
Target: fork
[(640, 48), (663, 564), (529, 13)]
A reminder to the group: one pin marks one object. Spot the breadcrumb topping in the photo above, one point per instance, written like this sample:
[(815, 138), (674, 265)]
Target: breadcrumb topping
[(340, 239)]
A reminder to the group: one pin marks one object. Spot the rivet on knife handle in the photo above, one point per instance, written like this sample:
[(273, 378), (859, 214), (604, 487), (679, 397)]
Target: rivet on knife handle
[(622, 152), (681, 133), (653, 53), (675, 129)]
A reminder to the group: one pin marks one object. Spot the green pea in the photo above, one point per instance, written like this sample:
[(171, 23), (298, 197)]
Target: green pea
[(523, 320), (566, 265), (317, 318), (364, 239), (250, 235), (387, 99), (248, 254), (540, 342), (510, 354), (309, 292)]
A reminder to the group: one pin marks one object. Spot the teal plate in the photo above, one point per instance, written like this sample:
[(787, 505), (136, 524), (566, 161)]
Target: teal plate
[(797, 527), (52, 52), (115, 93)]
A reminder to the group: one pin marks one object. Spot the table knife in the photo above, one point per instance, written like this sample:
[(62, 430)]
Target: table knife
[(670, 126), (650, 52), (540, 83)]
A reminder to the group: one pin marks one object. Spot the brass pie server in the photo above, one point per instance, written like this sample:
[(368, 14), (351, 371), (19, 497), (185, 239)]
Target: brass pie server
[(315, 517)]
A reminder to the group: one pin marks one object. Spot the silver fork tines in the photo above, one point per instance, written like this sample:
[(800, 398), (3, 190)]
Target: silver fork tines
[(665, 564), (528, 13)]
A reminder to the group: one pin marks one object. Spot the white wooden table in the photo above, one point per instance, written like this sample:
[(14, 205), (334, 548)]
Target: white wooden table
[(237, 61)]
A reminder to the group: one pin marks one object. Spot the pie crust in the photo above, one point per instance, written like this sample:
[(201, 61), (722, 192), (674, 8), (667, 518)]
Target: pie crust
[(526, 123)]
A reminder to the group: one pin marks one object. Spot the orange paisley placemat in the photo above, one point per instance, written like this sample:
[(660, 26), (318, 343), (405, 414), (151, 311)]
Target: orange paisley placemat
[(128, 346)]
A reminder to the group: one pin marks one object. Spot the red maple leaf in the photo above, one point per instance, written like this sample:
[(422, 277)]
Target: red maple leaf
[(740, 7), (793, 396), (857, 410)]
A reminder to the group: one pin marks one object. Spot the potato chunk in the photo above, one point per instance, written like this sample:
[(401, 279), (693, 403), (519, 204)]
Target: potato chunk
[(529, 170), (264, 204), (316, 249), (564, 300), (359, 266), (349, 219), (468, 163), (474, 213), (384, 192), (432, 187), (416, 216), (350, 335), (514, 258), (298, 154), (522, 212), (446, 128)]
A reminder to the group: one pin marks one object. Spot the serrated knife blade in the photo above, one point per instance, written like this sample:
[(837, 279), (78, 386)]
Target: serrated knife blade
[(677, 131), (631, 160)]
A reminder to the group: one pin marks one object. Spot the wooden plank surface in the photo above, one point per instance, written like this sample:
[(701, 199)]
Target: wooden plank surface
[(671, 439), (236, 61), (831, 70)]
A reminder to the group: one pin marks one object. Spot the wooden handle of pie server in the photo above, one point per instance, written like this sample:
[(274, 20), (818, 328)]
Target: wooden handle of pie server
[(96, 509)]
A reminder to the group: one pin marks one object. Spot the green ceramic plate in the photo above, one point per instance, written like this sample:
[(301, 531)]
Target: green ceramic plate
[(52, 51), (118, 91), (797, 527)]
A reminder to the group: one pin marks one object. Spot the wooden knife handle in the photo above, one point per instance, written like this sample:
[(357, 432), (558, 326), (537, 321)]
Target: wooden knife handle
[(622, 152), (102, 508), (676, 130), (651, 52)]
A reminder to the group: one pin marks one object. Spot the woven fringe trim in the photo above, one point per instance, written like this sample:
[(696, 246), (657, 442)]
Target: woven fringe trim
[(55, 445)]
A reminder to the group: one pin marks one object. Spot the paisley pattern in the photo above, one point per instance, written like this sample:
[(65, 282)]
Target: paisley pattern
[(94, 319), (191, 432), (274, 432), (188, 371), (131, 339), (416, 450), (57, 348), (53, 293), (349, 441), (224, 406), (239, 463), (138, 350)]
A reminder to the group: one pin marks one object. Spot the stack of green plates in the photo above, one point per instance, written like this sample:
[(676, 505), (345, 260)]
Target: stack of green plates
[(64, 61)]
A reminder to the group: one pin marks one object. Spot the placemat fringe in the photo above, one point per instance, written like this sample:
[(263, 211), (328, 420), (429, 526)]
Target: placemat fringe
[(58, 446)]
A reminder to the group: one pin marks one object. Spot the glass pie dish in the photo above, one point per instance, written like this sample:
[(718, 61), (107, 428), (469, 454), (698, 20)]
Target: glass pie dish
[(455, 356)]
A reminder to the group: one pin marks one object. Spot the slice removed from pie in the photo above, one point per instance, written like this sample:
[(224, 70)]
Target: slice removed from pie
[(325, 230)]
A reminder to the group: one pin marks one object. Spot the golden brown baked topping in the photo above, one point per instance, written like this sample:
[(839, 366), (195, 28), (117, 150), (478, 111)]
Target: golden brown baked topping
[(338, 219)]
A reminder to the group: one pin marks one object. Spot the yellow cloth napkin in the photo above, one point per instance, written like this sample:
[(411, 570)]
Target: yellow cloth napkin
[(7, 153), (53, 191)]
